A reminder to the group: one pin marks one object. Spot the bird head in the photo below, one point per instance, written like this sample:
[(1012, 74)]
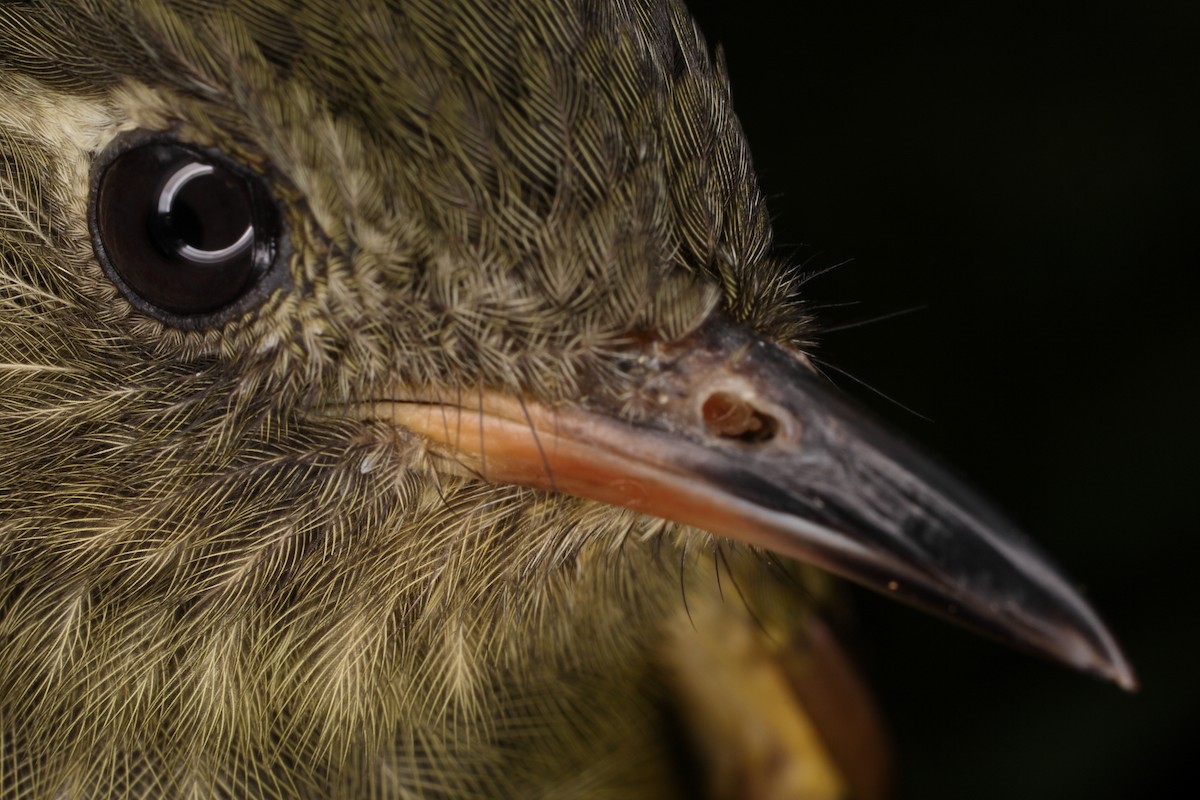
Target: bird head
[(345, 344)]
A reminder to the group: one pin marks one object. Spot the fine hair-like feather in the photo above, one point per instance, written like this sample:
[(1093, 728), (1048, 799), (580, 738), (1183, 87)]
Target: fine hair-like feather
[(217, 579)]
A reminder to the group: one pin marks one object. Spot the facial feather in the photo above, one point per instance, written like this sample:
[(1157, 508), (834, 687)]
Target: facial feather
[(208, 563)]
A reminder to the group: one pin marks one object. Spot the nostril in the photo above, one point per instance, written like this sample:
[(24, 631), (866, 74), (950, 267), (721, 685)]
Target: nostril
[(731, 417)]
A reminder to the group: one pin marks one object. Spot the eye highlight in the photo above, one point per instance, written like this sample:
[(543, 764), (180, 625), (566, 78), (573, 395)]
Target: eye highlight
[(189, 236)]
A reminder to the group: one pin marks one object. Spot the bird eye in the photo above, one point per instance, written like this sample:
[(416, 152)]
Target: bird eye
[(187, 235)]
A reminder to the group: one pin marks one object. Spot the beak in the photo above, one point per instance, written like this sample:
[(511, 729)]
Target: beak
[(737, 436)]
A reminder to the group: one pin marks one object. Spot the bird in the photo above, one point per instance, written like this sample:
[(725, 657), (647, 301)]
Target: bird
[(404, 399)]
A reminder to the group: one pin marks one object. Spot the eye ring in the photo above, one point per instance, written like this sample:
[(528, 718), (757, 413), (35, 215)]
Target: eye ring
[(189, 236)]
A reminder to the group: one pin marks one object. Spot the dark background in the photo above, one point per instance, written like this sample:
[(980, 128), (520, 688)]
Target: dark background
[(1027, 173)]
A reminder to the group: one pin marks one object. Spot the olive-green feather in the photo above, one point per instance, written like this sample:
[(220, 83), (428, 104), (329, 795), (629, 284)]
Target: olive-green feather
[(216, 580)]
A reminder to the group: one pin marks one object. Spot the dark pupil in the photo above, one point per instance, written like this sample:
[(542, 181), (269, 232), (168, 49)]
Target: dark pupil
[(182, 233), (202, 215)]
